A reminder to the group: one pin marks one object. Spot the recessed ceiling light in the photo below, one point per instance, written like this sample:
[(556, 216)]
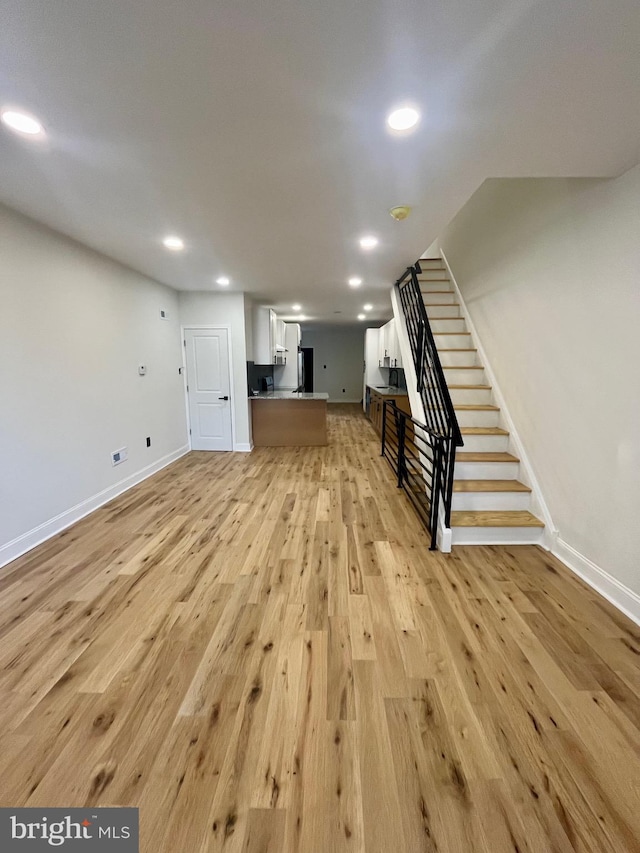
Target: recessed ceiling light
[(368, 242), (367, 307), (362, 316), (296, 307), (173, 243), (404, 118), (223, 281), (355, 281), (22, 122)]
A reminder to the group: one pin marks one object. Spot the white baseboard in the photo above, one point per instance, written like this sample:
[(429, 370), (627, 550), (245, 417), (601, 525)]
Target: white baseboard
[(618, 594), (243, 447), (19, 546)]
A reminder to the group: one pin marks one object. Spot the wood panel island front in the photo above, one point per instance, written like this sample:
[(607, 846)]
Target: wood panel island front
[(285, 419)]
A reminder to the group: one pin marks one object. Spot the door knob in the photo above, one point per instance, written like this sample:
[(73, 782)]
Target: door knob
[(223, 398)]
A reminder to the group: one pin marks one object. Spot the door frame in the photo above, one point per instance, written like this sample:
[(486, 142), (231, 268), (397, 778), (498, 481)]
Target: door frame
[(208, 327)]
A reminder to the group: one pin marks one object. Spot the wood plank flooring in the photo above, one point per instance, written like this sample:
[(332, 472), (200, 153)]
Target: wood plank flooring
[(259, 652)]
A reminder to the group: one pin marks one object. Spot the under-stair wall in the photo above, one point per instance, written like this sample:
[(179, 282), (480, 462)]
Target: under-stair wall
[(549, 271)]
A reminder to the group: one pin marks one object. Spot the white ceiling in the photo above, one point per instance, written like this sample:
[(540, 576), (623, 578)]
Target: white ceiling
[(255, 128)]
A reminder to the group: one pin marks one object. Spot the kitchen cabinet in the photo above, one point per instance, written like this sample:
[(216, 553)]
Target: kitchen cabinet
[(388, 346), (268, 337), (376, 406)]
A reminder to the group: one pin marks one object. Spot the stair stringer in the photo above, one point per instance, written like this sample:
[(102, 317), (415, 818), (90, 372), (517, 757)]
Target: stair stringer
[(444, 535), (526, 474)]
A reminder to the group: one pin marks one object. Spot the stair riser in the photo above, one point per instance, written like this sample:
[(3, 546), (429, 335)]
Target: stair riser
[(487, 501), (431, 274), (458, 359), (486, 470), (435, 311), (452, 341), (437, 297), (470, 396), (432, 289), (460, 376), (457, 325), (486, 443), (477, 418), (432, 263), (496, 535)]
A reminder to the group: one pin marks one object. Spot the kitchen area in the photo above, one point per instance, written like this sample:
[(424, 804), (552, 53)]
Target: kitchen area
[(285, 408), (283, 413), (384, 377)]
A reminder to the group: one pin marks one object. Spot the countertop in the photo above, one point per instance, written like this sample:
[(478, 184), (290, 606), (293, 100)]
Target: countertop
[(289, 395), (389, 390)]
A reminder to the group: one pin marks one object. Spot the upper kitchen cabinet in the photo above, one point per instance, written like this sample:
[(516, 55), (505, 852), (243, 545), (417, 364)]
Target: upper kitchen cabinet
[(268, 337), (388, 346)]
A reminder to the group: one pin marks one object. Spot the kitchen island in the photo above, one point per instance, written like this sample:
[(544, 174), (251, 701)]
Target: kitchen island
[(286, 419)]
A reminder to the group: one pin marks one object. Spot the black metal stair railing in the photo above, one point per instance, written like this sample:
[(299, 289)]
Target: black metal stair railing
[(440, 416), (416, 455)]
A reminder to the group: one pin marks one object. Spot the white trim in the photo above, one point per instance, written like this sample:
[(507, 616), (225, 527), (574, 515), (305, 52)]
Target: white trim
[(243, 447), (232, 394), (617, 593), (19, 546), (538, 504)]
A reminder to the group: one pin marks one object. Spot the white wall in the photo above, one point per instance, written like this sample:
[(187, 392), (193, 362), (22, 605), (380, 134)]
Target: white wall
[(227, 309), (74, 326), (338, 361), (550, 272), (248, 325)]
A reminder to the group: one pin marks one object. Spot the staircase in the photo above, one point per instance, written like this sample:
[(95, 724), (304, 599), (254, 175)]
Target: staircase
[(489, 504)]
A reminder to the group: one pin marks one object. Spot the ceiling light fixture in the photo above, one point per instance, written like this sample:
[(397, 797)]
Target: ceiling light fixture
[(368, 242), (223, 281), (403, 119), (296, 307), (22, 122), (355, 281), (362, 316), (367, 307), (173, 243)]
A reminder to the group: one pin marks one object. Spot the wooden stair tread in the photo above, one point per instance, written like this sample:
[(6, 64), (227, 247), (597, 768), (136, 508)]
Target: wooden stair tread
[(450, 333), (494, 518), (462, 367), (470, 407), (445, 318), (468, 387), (443, 305), (483, 431), (489, 486), (430, 292), (457, 349), (470, 456)]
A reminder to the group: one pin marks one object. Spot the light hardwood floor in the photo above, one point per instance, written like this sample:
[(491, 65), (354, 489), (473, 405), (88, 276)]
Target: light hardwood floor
[(260, 652)]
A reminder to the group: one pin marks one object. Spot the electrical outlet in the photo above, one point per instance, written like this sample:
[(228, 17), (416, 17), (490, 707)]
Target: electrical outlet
[(148, 441), (163, 314), (119, 456)]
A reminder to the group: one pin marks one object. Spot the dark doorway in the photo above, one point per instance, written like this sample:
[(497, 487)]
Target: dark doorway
[(307, 361)]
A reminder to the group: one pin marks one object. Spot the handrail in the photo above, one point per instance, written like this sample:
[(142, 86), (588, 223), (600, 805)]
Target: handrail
[(416, 455), (440, 415)]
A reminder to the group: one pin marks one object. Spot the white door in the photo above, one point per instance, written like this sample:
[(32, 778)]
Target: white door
[(208, 388)]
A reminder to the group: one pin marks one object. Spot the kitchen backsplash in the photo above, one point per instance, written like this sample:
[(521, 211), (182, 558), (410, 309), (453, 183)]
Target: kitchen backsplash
[(255, 374)]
